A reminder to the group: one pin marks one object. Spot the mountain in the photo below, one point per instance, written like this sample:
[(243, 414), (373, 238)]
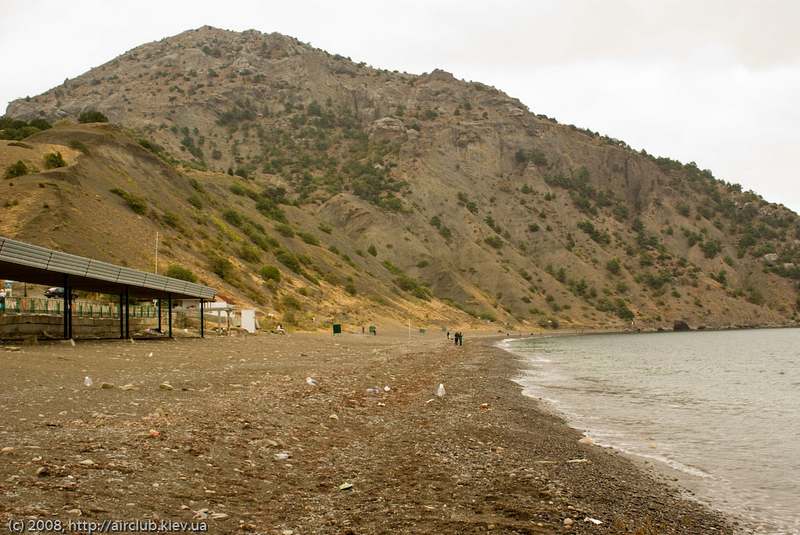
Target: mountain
[(319, 188)]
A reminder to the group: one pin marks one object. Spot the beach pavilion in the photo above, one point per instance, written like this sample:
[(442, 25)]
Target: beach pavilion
[(29, 263)]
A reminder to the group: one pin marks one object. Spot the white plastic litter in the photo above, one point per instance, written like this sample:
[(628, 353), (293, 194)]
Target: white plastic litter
[(373, 390), (593, 521), (282, 456), (386, 388), (311, 381), (87, 381), (440, 391)]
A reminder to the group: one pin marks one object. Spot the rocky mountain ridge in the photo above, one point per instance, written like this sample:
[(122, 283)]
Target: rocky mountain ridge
[(373, 192)]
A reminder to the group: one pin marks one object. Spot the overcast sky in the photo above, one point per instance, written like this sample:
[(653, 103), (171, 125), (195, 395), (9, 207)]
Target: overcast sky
[(716, 82)]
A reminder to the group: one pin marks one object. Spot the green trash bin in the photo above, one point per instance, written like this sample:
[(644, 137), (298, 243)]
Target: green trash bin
[(337, 328), (373, 330)]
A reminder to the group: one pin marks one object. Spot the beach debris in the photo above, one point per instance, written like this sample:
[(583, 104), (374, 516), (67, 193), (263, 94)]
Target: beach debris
[(575, 461), (76, 512), (153, 433), (386, 388), (87, 462), (345, 486), (129, 386), (42, 471), (311, 381), (106, 386), (484, 406), (586, 440), (440, 391), (430, 401), (374, 390), (150, 354), (72, 342), (593, 521), (334, 416), (87, 381), (282, 456), (12, 348), (166, 386), (200, 514), (218, 516), (287, 532), (568, 522)]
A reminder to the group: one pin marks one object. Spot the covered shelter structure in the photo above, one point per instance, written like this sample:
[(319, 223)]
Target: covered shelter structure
[(33, 264)]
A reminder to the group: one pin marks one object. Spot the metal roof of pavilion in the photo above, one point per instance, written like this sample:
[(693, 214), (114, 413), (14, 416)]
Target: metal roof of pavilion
[(30, 263)]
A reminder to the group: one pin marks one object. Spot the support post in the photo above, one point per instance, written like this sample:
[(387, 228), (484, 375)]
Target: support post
[(159, 314), (67, 309), (202, 321), (169, 314), (127, 314), (121, 317)]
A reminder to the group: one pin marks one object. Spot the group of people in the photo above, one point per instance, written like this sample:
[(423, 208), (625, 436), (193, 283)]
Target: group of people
[(458, 338)]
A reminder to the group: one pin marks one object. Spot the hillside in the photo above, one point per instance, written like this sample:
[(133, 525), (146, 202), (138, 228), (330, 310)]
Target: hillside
[(385, 194)]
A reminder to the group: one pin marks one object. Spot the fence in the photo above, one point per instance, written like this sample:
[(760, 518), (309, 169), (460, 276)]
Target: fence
[(80, 309)]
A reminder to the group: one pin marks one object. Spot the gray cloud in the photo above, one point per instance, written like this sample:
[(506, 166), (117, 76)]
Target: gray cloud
[(713, 82)]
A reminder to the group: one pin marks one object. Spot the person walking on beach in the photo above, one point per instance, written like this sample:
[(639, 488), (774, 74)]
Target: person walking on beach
[(2, 301), (448, 335), (460, 338)]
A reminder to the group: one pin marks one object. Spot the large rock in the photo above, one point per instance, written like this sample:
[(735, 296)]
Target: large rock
[(680, 325), (387, 128)]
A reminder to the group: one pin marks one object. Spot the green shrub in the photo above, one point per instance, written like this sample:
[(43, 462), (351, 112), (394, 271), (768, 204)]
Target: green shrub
[(248, 253), (222, 267), (92, 116), (308, 238), (195, 201), (137, 204), (16, 169), (179, 272), (291, 303), (53, 160), (233, 217), (613, 266), (494, 241), (270, 273), (284, 230), (289, 260), (171, 220)]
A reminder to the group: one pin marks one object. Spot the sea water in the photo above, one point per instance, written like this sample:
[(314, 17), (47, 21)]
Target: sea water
[(720, 408)]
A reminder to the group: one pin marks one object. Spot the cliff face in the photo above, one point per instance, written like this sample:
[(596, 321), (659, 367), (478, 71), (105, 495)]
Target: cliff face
[(384, 193)]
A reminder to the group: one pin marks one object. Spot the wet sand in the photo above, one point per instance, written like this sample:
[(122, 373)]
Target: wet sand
[(208, 446)]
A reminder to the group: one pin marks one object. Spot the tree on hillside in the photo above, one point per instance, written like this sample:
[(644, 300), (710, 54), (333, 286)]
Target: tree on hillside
[(92, 116)]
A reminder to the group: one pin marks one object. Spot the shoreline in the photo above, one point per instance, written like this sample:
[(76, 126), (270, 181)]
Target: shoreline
[(684, 479), (482, 458)]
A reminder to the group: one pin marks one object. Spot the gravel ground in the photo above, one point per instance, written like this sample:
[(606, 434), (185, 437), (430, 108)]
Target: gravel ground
[(228, 431)]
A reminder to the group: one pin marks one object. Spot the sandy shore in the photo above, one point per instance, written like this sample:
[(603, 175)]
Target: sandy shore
[(208, 446)]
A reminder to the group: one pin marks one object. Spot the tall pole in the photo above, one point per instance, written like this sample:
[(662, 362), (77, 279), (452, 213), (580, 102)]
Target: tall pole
[(156, 270), (169, 314), (202, 321), (127, 314)]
